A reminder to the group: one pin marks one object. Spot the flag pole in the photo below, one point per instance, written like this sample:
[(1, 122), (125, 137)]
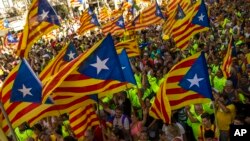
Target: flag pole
[(8, 121)]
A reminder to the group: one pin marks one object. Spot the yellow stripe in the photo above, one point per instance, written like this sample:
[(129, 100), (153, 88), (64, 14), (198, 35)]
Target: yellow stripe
[(194, 101)]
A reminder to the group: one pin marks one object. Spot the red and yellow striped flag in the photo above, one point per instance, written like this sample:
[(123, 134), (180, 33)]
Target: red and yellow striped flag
[(82, 120), (186, 83), (89, 23), (104, 14), (41, 19), (161, 109), (171, 15), (151, 15), (195, 21), (131, 47), (228, 60), (75, 79), (19, 112)]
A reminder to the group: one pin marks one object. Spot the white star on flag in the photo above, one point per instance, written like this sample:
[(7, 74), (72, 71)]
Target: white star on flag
[(123, 68), (120, 22), (179, 14), (11, 38), (93, 20), (158, 12), (25, 91), (195, 81), (100, 64), (44, 14), (71, 55), (201, 17), (90, 13)]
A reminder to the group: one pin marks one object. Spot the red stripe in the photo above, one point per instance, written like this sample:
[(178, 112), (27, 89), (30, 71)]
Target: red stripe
[(187, 98), (175, 91), (163, 108), (185, 64), (174, 79), (76, 77), (87, 88), (185, 44)]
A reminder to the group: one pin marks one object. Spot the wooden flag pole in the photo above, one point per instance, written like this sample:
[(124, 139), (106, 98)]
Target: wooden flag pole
[(8, 121)]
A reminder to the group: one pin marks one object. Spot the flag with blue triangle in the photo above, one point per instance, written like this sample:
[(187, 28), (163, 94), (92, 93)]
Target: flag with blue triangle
[(197, 78), (27, 87), (158, 12), (96, 71), (126, 67)]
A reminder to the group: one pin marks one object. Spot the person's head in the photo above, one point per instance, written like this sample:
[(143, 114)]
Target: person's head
[(239, 120), (229, 85), (37, 128), (198, 109), (209, 135), (219, 73), (118, 111), (143, 135), (224, 99), (135, 116), (116, 134), (206, 121)]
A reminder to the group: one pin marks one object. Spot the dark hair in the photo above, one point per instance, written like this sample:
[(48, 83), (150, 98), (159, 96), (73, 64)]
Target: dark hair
[(118, 133), (209, 134), (59, 129), (120, 108), (69, 138), (38, 127), (205, 115)]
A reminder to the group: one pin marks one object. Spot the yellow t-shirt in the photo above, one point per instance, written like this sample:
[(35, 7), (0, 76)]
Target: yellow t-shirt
[(225, 119)]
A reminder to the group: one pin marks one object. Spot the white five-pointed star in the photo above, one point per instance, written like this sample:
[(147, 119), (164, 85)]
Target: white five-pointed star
[(44, 14), (11, 38), (93, 20), (25, 91), (195, 81), (179, 14), (123, 68), (158, 12), (120, 22), (90, 13), (201, 17), (71, 55), (100, 64)]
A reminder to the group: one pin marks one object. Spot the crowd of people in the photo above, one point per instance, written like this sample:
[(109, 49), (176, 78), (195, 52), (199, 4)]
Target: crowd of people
[(125, 115)]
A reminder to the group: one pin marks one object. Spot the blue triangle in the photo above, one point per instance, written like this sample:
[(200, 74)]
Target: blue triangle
[(27, 87), (126, 68), (120, 22), (158, 12), (45, 8), (70, 53), (180, 13), (198, 70), (94, 97), (94, 20), (106, 55), (201, 17)]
